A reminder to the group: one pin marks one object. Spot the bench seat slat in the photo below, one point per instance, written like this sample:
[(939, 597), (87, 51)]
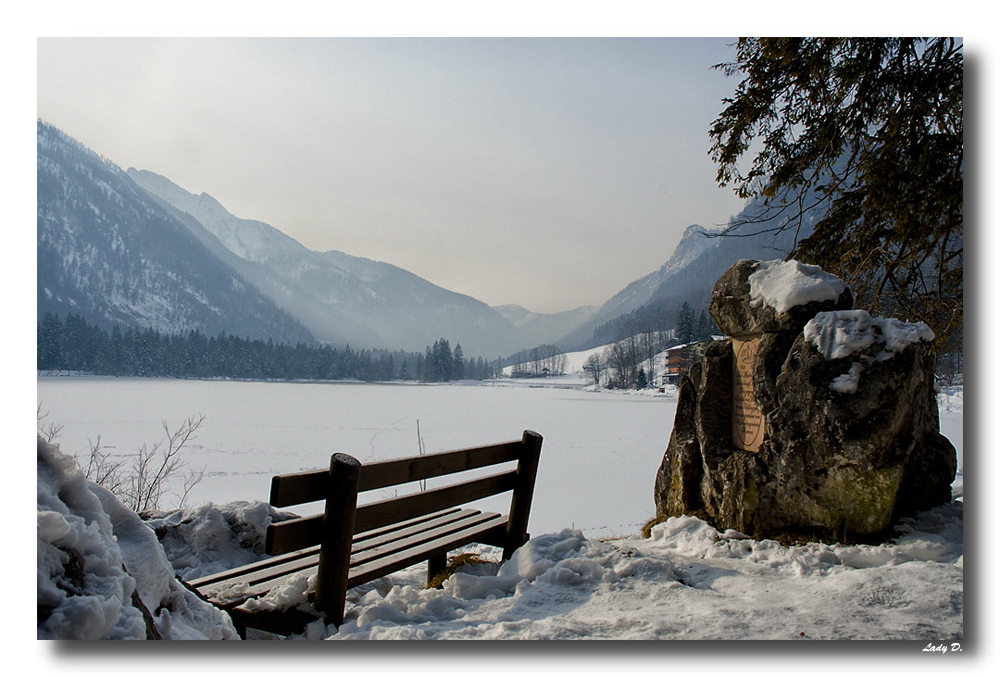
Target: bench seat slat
[(379, 537), (415, 538), (366, 546), (413, 551), (254, 570), (246, 569), (377, 568)]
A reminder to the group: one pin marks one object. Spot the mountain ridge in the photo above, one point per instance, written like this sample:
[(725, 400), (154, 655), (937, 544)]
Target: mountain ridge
[(108, 252), (397, 308), (700, 258), (328, 297)]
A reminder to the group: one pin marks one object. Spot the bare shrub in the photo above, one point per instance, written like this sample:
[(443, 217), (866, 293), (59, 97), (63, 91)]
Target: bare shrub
[(139, 481), (49, 431), (153, 466)]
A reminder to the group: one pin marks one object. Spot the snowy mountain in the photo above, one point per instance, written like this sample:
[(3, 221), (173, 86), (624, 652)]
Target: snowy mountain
[(694, 244), (133, 247), (688, 276), (110, 253), (339, 297)]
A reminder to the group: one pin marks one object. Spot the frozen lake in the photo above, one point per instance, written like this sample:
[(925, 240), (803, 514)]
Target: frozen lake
[(599, 457)]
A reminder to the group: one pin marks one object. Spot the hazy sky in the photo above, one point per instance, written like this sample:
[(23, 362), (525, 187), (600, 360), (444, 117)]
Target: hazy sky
[(544, 172)]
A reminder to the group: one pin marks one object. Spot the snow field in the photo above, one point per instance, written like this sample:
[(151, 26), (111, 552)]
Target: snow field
[(688, 581)]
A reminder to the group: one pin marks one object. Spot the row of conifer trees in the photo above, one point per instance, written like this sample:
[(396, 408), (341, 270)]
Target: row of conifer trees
[(73, 344)]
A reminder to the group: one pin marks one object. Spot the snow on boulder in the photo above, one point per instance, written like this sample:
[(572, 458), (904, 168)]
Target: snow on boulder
[(847, 332), (756, 297), (101, 571), (784, 285)]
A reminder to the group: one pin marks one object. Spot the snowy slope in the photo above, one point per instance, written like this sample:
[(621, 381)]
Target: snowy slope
[(110, 253), (344, 298), (692, 270)]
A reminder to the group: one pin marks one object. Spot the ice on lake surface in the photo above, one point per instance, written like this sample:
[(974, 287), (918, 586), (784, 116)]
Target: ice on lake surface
[(599, 457)]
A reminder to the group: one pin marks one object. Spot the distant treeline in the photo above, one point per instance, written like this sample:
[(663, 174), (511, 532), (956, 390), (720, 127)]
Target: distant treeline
[(75, 345)]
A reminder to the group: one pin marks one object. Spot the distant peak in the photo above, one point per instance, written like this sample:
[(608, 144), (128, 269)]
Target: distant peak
[(159, 184), (511, 307), (693, 230), (210, 201)]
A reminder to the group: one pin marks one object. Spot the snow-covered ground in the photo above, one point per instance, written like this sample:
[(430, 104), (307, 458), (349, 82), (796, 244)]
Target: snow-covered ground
[(687, 581), (574, 375)]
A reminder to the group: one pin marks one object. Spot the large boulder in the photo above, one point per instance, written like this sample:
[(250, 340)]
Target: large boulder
[(851, 434)]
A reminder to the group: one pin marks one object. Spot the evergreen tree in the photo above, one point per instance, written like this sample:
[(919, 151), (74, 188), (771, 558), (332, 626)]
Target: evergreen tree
[(685, 324), (50, 337), (77, 346), (870, 132), (442, 361), (74, 344), (458, 363), (116, 351)]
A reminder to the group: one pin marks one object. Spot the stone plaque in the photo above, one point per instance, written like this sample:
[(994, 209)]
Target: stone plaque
[(748, 421)]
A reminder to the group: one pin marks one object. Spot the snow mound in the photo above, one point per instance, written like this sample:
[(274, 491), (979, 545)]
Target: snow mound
[(210, 538), (101, 571), (783, 285)]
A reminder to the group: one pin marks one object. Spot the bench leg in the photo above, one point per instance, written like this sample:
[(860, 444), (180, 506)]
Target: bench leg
[(435, 565)]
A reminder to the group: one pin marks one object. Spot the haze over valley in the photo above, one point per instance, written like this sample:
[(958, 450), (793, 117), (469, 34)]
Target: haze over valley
[(132, 247)]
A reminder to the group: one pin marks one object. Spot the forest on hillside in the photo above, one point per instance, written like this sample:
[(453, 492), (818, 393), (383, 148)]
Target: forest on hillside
[(72, 344)]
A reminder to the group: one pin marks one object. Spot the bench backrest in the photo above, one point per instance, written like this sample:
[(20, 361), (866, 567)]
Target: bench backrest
[(331, 485)]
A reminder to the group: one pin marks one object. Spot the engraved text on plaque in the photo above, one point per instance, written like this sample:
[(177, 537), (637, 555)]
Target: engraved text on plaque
[(748, 422)]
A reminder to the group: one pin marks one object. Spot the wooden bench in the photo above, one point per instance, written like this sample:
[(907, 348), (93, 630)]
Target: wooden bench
[(351, 544)]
